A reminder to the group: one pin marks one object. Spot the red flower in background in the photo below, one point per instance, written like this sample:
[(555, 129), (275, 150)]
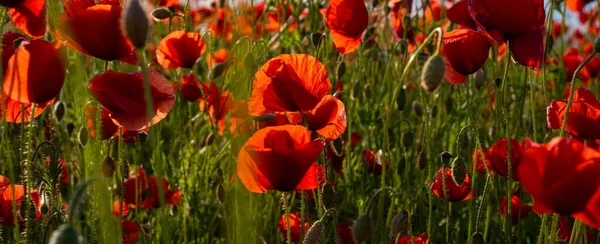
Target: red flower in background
[(570, 64), (190, 88), (518, 210), (577, 5), (95, 29), (295, 226), (561, 176), (14, 112), (375, 165), (6, 198), (478, 161), (279, 158), (171, 197), (406, 239), (109, 128), (465, 51), (517, 21), (137, 185), (130, 231), (454, 193), (123, 95), (180, 49), (218, 106), (498, 156), (29, 16), (347, 20), (584, 115), (220, 56), (557, 29)]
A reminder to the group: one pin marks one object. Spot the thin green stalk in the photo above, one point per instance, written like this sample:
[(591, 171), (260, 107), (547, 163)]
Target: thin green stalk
[(287, 219), (507, 226), (29, 226)]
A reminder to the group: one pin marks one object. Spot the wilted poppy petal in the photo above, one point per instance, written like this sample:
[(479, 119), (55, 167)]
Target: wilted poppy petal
[(29, 16), (347, 20), (328, 118), (180, 49)]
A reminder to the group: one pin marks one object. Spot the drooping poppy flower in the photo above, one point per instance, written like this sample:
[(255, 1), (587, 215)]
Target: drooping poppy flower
[(35, 72), (129, 232), (561, 177), (498, 156), (295, 226), (288, 83), (584, 115), (518, 210), (454, 193), (171, 197), (406, 239), (347, 20), (29, 16), (459, 14), (6, 198), (123, 95), (180, 49), (519, 22), (465, 51), (279, 158), (108, 127), (95, 29)]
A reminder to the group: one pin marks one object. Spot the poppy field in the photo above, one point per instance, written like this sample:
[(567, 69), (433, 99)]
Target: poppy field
[(281, 121)]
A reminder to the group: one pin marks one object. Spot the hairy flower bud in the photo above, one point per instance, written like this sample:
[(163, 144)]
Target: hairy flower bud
[(399, 224), (314, 233), (408, 138), (479, 79), (477, 238), (433, 73), (362, 229), (162, 13), (135, 23), (417, 108), (459, 170), (59, 111)]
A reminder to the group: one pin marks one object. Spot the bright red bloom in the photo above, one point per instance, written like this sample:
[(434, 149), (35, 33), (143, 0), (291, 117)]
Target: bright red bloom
[(46, 60), (570, 64), (328, 118), (557, 29), (279, 158), (218, 106), (14, 112), (134, 187), (190, 90), (6, 198), (130, 232), (347, 20), (584, 115), (577, 5), (519, 22), (171, 197), (295, 226), (420, 239), (498, 155), (29, 16), (561, 176), (455, 193), (109, 128), (95, 29), (465, 51), (375, 165), (477, 159), (180, 49), (123, 95), (459, 14), (518, 210)]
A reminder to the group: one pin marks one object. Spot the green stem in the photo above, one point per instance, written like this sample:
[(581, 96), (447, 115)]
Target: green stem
[(30, 215), (507, 226)]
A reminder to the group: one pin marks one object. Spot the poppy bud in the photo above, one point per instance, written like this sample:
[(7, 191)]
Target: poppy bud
[(135, 23), (433, 73), (59, 111), (328, 196), (401, 99), (142, 136), (162, 13), (44, 209), (314, 233), (399, 224), (221, 193), (459, 170), (83, 136), (316, 38), (597, 44), (445, 156), (341, 69), (433, 111), (66, 234), (209, 139), (421, 160), (70, 128), (498, 82), (417, 108), (217, 70), (362, 229), (265, 117), (477, 238), (108, 166), (408, 138), (479, 79)]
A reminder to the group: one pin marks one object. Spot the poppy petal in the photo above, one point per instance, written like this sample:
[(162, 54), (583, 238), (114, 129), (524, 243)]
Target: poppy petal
[(30, 17), (180, 49), (528, 49), (347, 20), (328, 118)]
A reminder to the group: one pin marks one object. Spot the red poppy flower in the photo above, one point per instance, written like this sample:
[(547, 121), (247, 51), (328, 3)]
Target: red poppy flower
[(565, 227), (347, 20), (29, 16), (119, 208), (480, 167), (465, 51), (190, 90), (375, 165), (455, 193), (561, 176), (4, 181), (218, 106), (295, 227), (279, 158), (217, 57), (35, 72), (123, 95), (577, 5), (288, 83), (328, 118), (130, 232), (171, 197), (517, 21), (498, 153), (557, 29), (344, 233), (180, 49), (14, 112), (95, 29), (109, 128), (518, 210), (570, 64), (593, 67), (398, 26), (584, 115), (6, 198), (135, 186), (420, 239), (459, 14)]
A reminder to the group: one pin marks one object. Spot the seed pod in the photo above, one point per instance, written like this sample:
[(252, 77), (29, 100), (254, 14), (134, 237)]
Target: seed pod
[(421, 160), (597, 44), (314, 233), (399, 224), (59, 111), (70, 128), (210, 139), (477, 238), (433, 73), (108, 166), (401, 99), (362, 229), (265, 117), (459, 170), (479, 79), (44, 209), (433, 112), (445, 156), (66, 234), (135, 23), (417, 108), (217, 70), (408, 138), (83, 136), (162, 13), (316, 38), (221, 193), (328, 196)]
